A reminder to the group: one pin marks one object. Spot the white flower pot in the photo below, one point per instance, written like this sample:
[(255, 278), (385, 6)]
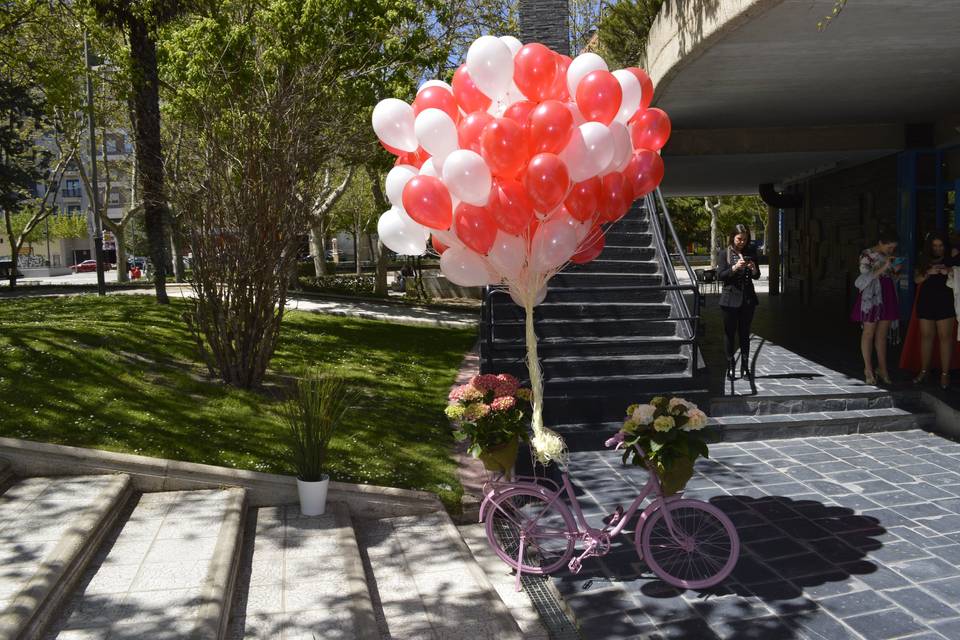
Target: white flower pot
[(313, 496)]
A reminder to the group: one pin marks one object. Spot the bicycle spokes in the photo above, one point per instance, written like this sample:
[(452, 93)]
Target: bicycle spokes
[(693, 546)]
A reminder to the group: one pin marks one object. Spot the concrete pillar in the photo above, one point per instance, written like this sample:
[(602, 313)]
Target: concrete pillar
[(772, 246), (546, 22)]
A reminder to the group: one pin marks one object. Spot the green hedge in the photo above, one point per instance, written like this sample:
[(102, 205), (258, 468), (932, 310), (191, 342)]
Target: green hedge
[(346, 284)]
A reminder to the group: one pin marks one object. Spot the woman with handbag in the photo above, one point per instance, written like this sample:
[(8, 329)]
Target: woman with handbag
[(876, 305), (737, 269)]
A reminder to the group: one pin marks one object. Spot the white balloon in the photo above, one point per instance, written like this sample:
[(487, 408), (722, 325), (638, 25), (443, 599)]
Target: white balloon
[(396, 180), (401, 234), (512, 43), (553, 244), (434, 83), (430, 168), (631, 95), (436, 132), (541, 296), (468, 177), (464, 267), (578, 118), (574, 155), (490, 65), (582, 230), (599, 143), (393, 123), (582, 65), (448, 237), (622, 148), (507, 255)]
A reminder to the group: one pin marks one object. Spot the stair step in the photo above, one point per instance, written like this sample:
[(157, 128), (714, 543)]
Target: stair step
[(586, 347), (580, 279), (824, 423), (628, 238), (507, 311), (426, 584), (6, 473), (50, 529), (639, 249), (607, 366), (301, 576), (604, 294), (630, 267), (584, 403), (587, 327), (746, 406), (167, 570)]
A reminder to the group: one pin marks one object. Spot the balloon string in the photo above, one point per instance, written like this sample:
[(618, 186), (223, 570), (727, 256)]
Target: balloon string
[(533, 363)]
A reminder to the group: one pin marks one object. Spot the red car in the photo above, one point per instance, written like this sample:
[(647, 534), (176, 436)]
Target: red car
[(86, 265)]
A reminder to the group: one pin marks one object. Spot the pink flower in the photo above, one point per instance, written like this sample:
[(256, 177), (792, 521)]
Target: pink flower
[(485, 382), (504, 390), (503, 403), (457, 393), (476, 411), (471, 394), (506, 377)]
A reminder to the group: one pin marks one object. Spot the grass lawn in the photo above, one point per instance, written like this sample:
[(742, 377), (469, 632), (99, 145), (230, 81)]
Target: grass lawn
[(122, 374)]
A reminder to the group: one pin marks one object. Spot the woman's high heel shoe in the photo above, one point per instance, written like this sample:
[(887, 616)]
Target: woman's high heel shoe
[(884, 377), (921, 377), (869, 378), (944, 381), (732, 370)]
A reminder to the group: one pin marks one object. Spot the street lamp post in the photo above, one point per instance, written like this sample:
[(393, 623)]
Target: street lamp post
[(91, 123)]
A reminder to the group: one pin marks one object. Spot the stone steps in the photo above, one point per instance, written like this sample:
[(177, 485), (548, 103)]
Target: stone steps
[(301, 577), (6, 473), (50, 529), (738, 428), (425, 583), (166, 571)]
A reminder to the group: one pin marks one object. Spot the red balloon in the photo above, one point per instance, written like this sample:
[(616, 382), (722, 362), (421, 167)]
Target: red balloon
[(475, 227), (413, 158), (560, 90), (510, 206), (470, 128), (549, 127), (591, 247), (468, 96), (644, 172), (612, 197), (650, 130), (646, 87), (599, 96), (584, 199), (519, 111), (503, 144), (535, 71), (393, 150), (546, 181), (427, 201), (438, 246), (437, 98)]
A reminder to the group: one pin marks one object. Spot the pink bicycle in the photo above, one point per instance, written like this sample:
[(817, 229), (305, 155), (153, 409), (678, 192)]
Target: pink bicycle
[(687, 543)]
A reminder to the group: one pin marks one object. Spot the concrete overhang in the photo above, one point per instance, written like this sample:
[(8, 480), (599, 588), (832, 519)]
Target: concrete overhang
[(757, 93)]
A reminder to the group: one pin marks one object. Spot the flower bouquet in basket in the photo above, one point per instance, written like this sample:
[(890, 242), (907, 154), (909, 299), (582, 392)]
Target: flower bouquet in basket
[(669, 433), (491, 412)]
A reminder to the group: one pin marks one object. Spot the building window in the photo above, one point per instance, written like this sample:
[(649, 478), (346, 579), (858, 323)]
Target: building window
[(56, 259), (71, 189), (115, 198), (73, 210), (114, 145)]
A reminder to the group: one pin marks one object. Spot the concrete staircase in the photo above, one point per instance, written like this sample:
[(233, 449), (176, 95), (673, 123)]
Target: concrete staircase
[(89, 557), (607, 336)]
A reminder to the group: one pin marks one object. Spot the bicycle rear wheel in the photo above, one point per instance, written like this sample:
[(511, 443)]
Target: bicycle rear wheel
[(704, 551), (550, 532)]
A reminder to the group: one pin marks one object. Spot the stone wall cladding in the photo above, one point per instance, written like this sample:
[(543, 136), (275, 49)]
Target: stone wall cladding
[(545, 21)]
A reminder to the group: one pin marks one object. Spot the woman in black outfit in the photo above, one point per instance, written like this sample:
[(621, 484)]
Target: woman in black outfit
[(737, 269), (935, 309)]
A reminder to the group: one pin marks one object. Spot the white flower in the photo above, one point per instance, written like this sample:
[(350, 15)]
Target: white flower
[(664, 423), (696, 420), (675, 402), (643, 414)]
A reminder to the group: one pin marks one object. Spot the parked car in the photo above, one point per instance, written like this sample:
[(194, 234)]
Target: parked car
[(86, 265)]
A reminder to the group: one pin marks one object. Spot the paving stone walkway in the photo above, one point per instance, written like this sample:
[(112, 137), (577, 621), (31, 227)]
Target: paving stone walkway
[(843, 537)]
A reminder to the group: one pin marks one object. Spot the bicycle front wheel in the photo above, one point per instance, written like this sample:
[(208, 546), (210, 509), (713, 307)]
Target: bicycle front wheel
[(548, 530), (702, 550)]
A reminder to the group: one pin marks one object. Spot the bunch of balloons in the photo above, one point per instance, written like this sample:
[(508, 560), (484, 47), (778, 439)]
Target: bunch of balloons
[(512, 170)]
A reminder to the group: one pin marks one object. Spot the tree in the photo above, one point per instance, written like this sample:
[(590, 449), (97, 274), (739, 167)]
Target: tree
[(623, 32), (270, 96), (140, 21)]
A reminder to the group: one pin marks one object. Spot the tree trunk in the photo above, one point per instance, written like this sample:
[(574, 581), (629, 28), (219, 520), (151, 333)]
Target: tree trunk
[(149, 158), (380, 281), (317, 249), (356, 249), (713, 232), (14, 249), (118, 239)]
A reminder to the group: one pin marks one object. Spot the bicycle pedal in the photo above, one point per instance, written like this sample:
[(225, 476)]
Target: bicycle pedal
[(614, 517), (575, 565)]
